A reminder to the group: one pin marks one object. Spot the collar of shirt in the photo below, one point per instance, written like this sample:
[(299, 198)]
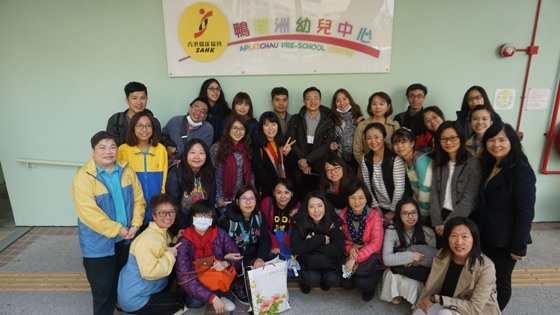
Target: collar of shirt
[(316, 117)]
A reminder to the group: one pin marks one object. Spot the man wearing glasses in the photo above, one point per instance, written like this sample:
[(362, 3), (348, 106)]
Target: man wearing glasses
[(180, 129), (110, 205), (312, 128), (413, 117), (136, 96)]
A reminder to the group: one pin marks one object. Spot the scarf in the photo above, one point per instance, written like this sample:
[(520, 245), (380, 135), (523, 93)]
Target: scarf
[(356, 235), (277, 159), (202, 243), (344, 136), (230, 167)]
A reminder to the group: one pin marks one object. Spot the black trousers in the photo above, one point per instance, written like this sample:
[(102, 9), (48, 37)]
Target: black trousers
[(162, 303), (103, 275), (314, 277), (501, 257)]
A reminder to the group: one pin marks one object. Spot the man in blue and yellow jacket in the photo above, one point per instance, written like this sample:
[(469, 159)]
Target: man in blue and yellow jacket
[(110, 205)]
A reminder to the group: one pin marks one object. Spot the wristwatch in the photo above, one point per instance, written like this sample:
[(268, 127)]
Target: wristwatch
[(433, 298)]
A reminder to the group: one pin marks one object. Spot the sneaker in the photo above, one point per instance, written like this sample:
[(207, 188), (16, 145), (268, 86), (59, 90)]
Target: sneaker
[(181, 311), (240, 294), (368, 295), (305, 289), (397, 300), (230, 306)]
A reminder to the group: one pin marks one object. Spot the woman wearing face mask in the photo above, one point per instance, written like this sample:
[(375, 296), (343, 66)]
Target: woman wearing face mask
[(507, 203), (271, 155), (346, 115), (146, 156), (191, 180), (318, 243), (248, 228), (278, 210), (203, 239), (232, 159)]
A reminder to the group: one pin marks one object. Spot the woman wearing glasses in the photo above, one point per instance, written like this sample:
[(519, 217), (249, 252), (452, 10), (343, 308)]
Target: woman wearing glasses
[(146, 156), (475, 95), (408, 249), (334, 181), (456, 177), (231, 157), (204, 239), (219, 110), (143, 279), (191, 180), (246, 225)]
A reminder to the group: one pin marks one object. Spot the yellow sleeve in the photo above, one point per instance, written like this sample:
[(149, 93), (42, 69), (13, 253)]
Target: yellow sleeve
[(154, 261), (138, 212), (165, 164), (83, 194)]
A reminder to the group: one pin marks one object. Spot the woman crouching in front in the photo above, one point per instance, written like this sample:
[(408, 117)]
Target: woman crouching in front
[(462, 280), (202, 238), (319, 243)]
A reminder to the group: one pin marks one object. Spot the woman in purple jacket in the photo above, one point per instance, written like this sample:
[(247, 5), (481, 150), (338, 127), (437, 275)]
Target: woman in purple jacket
[(202, 239)]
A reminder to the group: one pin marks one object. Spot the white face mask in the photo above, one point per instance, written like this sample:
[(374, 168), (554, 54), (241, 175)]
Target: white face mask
[(344, 111), (193, 123), (202, 224)]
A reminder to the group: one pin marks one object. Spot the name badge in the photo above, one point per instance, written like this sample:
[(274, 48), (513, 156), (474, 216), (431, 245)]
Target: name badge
[(310, 139)]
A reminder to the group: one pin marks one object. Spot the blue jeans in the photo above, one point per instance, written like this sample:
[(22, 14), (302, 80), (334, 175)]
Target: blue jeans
[(191, 302)]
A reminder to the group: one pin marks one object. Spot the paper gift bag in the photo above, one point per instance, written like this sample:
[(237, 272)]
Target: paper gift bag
[(268, 287)]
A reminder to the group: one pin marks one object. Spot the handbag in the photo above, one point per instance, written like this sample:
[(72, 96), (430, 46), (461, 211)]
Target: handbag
[(210, 278), (418, 273)]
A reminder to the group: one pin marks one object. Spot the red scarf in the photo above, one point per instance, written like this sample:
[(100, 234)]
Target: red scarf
[(229, 170), (202, 243)]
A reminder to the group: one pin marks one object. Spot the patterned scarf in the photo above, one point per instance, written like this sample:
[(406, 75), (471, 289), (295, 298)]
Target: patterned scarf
[(356, 235), (344, 135), (230, 170), (277, 159)]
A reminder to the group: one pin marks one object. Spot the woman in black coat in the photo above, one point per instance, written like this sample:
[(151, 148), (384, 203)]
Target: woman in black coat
[(507, 204)]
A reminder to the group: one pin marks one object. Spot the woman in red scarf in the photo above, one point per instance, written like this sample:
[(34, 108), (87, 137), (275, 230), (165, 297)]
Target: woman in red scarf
[(203, 239), (271, 155), (231, 156)]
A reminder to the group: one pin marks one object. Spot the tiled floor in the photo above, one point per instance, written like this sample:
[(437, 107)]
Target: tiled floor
[(35, 233)]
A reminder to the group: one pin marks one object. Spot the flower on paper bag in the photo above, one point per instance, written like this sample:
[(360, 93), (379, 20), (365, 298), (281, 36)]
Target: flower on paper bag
[(265, 305), (270, 306)]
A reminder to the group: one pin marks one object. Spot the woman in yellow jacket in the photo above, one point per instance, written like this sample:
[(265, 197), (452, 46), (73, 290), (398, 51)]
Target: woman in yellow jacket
[(146, 156)]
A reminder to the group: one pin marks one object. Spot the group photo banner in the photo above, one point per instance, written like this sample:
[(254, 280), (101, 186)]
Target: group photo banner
[(260, 37)]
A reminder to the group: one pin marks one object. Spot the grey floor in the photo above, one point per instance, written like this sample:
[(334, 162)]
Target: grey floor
[(62, 254)]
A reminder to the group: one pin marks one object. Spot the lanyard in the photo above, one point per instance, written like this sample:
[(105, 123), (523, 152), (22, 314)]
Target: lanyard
[(246, 234)]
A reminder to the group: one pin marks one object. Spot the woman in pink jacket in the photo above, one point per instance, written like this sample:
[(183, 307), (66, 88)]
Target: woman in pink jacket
[(363, 230)]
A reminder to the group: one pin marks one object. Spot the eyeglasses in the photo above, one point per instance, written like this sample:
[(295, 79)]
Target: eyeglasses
[(141, 127), (335, 169), (203, 215), (214, 89), (449, 139), (411, 214), (199, 110), (312, 98), (163, 214), (247, 199), (238, 129), (417, 96), (475, 98)]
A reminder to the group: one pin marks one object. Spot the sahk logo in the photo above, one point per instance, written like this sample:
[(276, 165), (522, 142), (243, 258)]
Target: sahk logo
[(203, 31)]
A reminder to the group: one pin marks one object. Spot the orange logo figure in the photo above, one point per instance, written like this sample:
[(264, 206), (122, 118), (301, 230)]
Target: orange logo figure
[(203, 23), (203, 31)]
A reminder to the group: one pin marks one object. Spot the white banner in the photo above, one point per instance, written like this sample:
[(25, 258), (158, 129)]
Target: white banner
[(259, 37)]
